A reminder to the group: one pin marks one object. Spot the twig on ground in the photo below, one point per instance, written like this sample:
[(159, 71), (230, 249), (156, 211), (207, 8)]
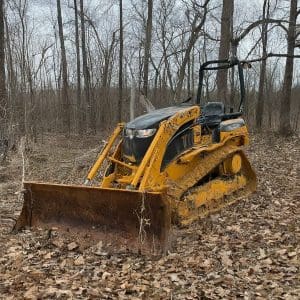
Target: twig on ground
[(143, 221)]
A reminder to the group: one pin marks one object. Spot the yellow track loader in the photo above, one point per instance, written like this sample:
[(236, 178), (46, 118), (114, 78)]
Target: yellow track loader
[(173, 165)]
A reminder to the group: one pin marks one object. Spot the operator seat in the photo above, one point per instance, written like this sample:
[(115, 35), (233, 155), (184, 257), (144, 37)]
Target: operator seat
[(213, 113)]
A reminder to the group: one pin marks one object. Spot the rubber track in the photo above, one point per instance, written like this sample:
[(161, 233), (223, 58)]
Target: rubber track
[(206, 165)]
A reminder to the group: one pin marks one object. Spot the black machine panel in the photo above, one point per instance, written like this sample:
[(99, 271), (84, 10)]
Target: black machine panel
[(136, 147), (181, 141)]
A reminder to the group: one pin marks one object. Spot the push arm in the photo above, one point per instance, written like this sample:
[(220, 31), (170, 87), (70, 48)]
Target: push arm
[(92, 173)]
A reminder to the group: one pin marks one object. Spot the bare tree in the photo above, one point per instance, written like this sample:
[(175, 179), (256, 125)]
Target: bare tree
[(180, 40), (147, 47), (65, 85), (200, 13), (86, 73), (262, 75), (12, 80), (21, 8), (120, 61), (285, 107), (3, 95), (224, 48), (165, 34), (79, 111)]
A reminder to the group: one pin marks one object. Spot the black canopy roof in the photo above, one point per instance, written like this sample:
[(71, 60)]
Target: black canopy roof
[(152, 119)]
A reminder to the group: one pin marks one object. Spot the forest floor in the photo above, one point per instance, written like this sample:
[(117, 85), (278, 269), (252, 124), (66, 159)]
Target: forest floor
[(250, 250)]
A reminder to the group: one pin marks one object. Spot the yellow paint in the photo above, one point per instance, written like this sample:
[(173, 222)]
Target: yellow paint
[(105, 152), (112, 159), (232, 165), (106, 182), (201, 199), (232, 171), (154, 156), (197, 134)]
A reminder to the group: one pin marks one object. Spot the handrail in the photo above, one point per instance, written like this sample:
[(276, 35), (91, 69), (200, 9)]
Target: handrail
[(227, 64)]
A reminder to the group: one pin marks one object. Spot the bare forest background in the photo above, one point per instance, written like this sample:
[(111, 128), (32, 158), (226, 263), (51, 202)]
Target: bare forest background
[(81, 66)]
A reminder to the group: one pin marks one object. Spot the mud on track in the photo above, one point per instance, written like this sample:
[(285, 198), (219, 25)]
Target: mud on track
[(250, 250)]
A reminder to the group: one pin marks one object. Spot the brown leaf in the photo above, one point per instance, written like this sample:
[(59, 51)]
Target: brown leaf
[(72, 246), (281, 252), (58, 243), (262, 254), (98, 249), (31, 294), (50, 291), (63, 263), (226, 261), (206, 263), (267, 261), (79, 261), (235, 228), (48, 255), (174, 277), (105, 275), (94, 292), (292, 254), (126, 267)]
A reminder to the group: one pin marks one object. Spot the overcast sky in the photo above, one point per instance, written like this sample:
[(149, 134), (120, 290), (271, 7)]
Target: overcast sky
[(42, 14)]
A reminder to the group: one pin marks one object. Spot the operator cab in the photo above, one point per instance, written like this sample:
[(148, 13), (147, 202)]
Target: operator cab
[(215, 118)]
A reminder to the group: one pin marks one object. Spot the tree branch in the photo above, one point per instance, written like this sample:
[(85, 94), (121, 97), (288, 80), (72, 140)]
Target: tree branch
[(253, 25), (269, 55)]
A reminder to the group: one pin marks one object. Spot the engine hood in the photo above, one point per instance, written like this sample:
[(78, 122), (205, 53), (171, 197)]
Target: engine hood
[(152, 119)]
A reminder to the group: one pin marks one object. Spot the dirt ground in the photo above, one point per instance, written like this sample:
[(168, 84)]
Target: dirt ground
[(250, 250)]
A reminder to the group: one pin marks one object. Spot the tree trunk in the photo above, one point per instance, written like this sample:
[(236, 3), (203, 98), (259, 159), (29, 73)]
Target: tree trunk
[(195, 32), (23, 87), (12, 86), (3, 94), (132, 99), (226, 35), (285, 107), (189, 76), (79, 110), (147, 47), (86, 73), (263, 67), (191, 43), (120, 62), (65, 86), (32, 113)]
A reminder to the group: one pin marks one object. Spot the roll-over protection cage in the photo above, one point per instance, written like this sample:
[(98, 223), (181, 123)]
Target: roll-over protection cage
[(223, 64)]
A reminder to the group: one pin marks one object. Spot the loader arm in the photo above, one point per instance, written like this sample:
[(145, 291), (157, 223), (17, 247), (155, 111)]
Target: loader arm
[(104, 153)]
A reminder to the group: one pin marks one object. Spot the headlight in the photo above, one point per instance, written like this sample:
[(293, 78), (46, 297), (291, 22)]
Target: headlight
[(129, 132), (144, 133)]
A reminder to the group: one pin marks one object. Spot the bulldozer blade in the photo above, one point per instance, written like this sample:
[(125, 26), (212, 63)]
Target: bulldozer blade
[(122, 219)]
